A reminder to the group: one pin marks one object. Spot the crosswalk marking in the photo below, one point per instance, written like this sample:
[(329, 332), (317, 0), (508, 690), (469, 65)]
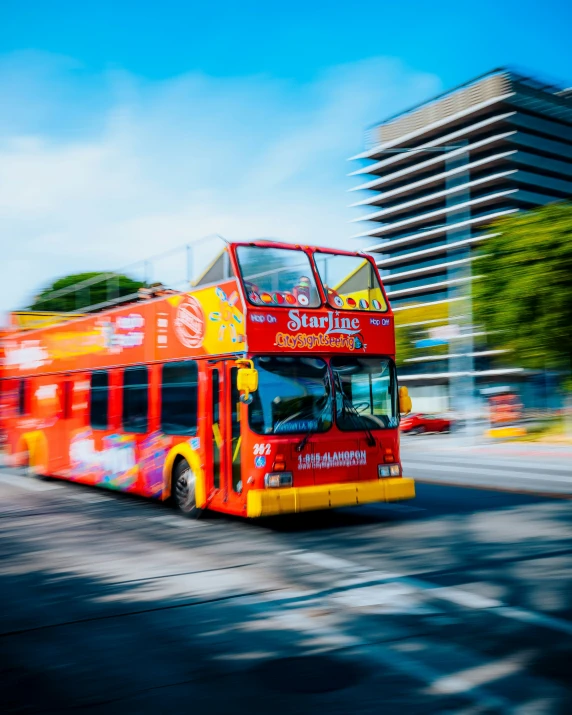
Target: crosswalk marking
[(458, 596)]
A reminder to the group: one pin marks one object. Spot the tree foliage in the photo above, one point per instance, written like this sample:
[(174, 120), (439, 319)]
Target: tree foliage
[(115, 286), (404, 347), (525, 294), (406, 331)]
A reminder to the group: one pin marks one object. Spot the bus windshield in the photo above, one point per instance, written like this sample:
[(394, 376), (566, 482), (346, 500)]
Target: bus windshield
[(366, 393), (350, 282), (277, 276), (294, 395)]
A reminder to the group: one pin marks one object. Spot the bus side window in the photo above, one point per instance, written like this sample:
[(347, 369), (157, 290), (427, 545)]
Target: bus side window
[(179, 385), (135, 399), (67, 399), (23, 397), (99, 402)]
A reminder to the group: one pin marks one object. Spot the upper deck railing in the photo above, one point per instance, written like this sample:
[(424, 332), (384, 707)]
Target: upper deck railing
[(171, 271), (277, 276), (194, 264)]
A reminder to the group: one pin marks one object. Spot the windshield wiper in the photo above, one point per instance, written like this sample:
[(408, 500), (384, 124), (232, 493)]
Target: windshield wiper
[(302, 443), (353, 413)]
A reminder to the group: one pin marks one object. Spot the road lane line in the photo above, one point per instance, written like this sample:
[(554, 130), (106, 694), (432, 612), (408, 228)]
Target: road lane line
[(326, 561), (391, 658), (477, 602), (457, 683), (404, 508), (178, 523), (458, 596), (537, 619), (465, 598), (89, 498)]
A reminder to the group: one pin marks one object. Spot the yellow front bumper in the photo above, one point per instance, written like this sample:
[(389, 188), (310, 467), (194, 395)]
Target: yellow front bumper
[(268, 502)]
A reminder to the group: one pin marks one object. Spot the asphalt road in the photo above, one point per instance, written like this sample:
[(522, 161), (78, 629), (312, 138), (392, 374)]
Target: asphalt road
[(457, 602)]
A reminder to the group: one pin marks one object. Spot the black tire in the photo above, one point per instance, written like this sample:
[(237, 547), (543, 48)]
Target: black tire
[(417, 430), (183, 490)]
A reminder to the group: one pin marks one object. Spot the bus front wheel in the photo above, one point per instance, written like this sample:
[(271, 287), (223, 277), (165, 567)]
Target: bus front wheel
[(183, 490)]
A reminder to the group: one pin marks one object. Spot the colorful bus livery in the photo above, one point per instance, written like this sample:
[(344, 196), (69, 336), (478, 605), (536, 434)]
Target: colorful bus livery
[(269, 388)]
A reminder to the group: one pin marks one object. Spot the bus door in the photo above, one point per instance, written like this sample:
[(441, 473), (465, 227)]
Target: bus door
[(235, 438), (51, 404), (223, 471)]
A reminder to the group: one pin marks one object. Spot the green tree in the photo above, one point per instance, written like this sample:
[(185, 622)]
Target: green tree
[(524, 295), (404, 347), (89, 292), (411, 324)]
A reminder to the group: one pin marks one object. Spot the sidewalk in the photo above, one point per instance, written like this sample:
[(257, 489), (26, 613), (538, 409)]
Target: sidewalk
[(481, 444)]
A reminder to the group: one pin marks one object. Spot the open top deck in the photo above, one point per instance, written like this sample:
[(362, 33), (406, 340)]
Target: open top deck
[(256, 297)]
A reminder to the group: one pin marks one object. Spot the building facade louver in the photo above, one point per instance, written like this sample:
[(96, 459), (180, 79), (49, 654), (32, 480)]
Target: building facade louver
[(437, 176)]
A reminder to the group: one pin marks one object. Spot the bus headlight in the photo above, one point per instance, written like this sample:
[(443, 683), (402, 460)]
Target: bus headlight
[(388, 470), (278, 479)]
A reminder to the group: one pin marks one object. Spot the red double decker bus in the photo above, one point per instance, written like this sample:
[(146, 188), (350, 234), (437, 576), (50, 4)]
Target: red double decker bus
[(268, 388)]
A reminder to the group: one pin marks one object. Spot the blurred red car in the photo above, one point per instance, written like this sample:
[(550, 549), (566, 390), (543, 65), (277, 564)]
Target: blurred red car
[(418, 424)]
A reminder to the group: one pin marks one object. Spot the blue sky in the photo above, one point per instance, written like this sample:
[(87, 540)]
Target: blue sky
[(293, 40), (129, 127)]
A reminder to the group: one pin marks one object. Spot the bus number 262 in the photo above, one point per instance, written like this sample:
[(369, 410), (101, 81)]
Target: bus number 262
[(261, 448)]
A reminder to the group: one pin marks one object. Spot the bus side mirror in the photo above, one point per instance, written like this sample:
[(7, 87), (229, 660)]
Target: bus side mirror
[(405, 404), (246, 380)]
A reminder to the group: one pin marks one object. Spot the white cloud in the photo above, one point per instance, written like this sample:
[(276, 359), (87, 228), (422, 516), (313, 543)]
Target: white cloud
[(101, 171)]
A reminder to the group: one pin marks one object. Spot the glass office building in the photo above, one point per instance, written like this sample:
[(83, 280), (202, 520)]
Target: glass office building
[(433, 179)]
